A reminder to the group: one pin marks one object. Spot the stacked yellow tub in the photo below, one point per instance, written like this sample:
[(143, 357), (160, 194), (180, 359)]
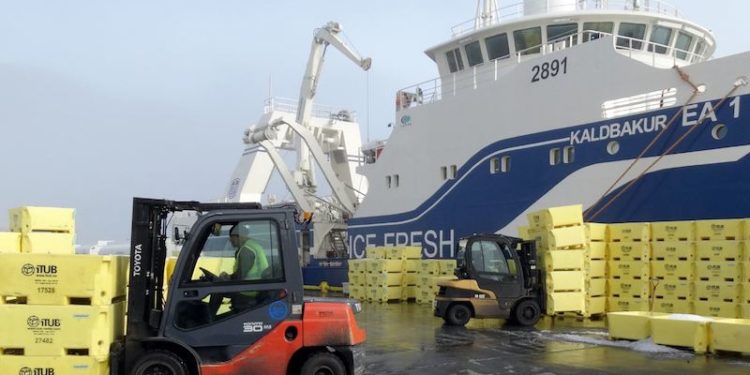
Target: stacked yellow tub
[(386, 274), (673, 266), (58, 311), (430, 273), (574, 269), (720, 251), (629, 254)]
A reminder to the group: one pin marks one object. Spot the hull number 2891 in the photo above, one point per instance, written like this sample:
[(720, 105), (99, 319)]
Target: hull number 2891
[(549, 69)]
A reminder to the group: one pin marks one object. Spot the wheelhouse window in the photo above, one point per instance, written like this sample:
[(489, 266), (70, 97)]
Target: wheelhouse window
[(444, 173), (455, 62), (388, 181), (528, 41), (700, 49), (555, 32), (602, 27), (682, 46), (631, 35), (474, 53), (454, 172), (497, 46), (660, 38)]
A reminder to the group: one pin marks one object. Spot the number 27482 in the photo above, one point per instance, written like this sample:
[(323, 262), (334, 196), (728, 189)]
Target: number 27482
[(549, 69)]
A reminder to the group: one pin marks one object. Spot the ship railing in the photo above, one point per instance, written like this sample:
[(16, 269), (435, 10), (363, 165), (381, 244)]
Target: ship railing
[(433, 90), (516, 10), (287, 105)]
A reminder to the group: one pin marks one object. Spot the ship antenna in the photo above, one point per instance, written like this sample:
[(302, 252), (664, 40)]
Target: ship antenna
[(486, 13)]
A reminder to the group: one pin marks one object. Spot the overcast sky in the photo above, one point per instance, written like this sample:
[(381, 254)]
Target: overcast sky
[(101, 101)]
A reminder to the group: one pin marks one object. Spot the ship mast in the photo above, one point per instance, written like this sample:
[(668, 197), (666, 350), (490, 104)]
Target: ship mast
[(486, 14)]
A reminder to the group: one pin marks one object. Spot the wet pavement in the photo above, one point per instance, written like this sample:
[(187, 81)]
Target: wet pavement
[(407, 339)]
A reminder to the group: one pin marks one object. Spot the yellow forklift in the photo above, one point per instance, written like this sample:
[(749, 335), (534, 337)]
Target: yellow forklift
[(497, 278)]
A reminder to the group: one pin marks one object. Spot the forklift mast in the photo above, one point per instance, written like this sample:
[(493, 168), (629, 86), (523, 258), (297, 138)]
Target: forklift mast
[(148, 254)]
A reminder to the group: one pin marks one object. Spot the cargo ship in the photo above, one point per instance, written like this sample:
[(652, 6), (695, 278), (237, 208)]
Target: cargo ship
[(616, 105)]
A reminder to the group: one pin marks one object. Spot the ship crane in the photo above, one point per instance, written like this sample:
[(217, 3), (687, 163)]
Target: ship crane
[(329, 142), (304, 175)]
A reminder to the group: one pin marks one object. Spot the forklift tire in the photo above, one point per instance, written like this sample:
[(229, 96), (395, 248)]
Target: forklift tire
[(527, 313), (457, 315), (323, 364), (160, 362)]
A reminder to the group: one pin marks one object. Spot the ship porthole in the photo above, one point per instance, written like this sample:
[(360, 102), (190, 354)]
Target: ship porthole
[(613, 147), (719, 131)]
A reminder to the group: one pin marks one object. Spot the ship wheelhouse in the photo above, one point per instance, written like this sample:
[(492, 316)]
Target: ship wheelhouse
[(483, 49)]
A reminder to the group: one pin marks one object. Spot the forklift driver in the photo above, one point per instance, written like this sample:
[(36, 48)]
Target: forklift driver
[(250, 258), (250, 263)]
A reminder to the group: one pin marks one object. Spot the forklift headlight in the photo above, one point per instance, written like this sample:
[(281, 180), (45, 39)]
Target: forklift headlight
[(357, 307)]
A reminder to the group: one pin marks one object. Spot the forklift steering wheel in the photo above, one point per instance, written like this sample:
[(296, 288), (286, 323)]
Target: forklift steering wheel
[(208, 275)]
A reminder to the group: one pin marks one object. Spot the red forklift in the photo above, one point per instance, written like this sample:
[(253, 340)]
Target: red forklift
[(250, 320)]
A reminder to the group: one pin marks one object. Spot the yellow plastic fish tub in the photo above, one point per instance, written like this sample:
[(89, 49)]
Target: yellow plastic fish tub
[(629, 232), (404, 252), (673, 270), (596, 232), (719, 230), (717, 309), (628, 288), (718, 251), (673, 306), (384, 265), (673, 289), (48, 243), (382, 279), (718, 271), (60, 330), (673, 231), (41, 279), (630, 325), (673, 251), (377, 252), (616, 304), (50, 219), (689, 331), (622, 269), (559, 260), (630, 251), (730, 335), (53, 365)]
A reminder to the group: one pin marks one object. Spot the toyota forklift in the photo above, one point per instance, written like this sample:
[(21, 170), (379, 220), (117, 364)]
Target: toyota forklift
[(241, 322), (497, 278)]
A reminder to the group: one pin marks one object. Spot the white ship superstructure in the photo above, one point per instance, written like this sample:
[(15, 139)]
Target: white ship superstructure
[(613, 104)]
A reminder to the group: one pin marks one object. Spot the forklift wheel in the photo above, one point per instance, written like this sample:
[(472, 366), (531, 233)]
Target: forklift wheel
[(457, 315), (323, 364), (159, 362), (527, 313)]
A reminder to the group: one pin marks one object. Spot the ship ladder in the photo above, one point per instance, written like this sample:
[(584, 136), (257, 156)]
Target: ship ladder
[(696, 90), (338, 245)]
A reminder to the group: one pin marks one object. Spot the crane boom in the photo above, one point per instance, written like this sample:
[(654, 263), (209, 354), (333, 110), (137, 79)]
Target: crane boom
[(325, 36)]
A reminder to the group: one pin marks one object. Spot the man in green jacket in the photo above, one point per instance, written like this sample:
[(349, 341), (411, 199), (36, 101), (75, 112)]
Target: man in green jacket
[(250, 258)]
